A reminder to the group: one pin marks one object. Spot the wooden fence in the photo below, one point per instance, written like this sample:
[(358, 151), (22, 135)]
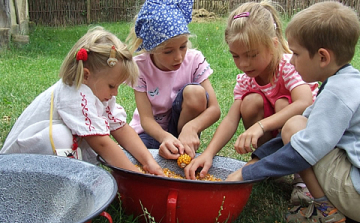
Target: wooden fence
[(74, 12)]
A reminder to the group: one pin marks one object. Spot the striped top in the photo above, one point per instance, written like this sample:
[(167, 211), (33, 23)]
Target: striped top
[(285, 81)]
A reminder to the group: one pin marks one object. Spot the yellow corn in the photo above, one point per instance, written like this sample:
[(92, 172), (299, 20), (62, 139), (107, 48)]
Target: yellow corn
[(183, 160), (172, 174)]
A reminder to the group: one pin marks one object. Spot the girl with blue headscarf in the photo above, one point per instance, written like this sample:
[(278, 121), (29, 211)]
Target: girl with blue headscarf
[(174, 97)]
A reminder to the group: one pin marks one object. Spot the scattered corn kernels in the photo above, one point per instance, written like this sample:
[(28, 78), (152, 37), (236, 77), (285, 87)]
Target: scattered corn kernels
[(172, 174), (183, 160)]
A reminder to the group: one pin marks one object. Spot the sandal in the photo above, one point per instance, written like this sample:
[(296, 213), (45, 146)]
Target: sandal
[(300, 195), (316, 212)]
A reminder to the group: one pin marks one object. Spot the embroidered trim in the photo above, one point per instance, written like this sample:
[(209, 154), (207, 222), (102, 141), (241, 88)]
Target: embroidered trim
[(112, 118), (84, 111)]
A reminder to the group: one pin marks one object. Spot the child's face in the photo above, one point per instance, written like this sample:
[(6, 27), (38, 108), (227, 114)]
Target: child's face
[(307, 67), (104, 83), (172, 55), (253, 62)]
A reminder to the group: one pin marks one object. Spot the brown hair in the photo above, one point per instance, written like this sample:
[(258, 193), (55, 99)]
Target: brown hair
[(329, 25)]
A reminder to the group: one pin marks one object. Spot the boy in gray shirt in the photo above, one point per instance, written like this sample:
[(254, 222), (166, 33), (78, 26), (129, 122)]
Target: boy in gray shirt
[(323, 144)]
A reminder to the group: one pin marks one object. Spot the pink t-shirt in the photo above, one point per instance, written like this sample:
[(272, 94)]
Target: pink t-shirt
[(163, 86), (285, 81)]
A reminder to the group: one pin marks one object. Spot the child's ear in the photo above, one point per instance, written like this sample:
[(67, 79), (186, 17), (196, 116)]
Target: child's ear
[(275, 41), (86, 75), (325, 57)]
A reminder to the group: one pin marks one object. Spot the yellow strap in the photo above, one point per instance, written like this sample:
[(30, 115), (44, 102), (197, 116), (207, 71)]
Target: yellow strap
[(50, 128)]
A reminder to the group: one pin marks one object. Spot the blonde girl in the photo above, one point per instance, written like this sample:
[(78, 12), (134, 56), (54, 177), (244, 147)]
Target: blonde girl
[(77, 115), (267, 93), (174, 97)]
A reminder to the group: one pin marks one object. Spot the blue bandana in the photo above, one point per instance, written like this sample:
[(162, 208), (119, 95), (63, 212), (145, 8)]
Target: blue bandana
[(160, 20)]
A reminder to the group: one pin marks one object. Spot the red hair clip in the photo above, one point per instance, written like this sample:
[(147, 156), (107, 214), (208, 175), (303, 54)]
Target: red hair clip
[(82, 54)]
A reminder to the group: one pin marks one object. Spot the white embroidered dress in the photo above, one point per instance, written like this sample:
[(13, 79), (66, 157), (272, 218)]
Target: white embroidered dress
[(75, 112)]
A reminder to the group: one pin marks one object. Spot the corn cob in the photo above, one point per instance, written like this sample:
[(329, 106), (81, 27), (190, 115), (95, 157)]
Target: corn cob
[(183, 160)]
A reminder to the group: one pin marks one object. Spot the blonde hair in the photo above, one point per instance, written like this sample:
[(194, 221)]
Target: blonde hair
[(259, 28), (132, 40), (98, 43), (329, 25)]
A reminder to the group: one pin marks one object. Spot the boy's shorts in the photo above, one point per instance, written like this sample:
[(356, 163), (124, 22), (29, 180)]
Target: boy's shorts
[(333, 174), (149, 141)]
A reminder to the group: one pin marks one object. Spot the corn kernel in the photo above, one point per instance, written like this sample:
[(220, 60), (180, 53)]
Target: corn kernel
[(172, 174)]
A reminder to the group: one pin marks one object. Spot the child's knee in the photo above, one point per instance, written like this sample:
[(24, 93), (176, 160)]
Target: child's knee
[(292, 126), (252, 105), (194, 97)]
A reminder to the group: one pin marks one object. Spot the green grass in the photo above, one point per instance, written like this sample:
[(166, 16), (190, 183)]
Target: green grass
[(26, 71)]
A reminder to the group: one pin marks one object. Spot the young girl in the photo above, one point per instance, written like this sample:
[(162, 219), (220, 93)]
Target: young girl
[(80, 110), (174, 97), (269, 91)]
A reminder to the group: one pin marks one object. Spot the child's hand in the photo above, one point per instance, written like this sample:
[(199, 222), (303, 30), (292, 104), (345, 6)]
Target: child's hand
[(134, 168), (235, 176), (204, 161), (247, 141), (153, 167), (171, 148), (190, 140)]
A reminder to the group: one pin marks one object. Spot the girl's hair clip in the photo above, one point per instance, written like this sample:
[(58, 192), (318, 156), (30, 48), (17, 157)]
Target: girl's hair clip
[(241, 15), (112, 59), (81, 54)]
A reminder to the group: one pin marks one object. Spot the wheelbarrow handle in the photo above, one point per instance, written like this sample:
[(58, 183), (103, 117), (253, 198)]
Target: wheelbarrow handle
[(171, 206), (106, 215)]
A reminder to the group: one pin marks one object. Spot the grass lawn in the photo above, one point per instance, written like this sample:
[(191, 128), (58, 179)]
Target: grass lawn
[(28, 70)]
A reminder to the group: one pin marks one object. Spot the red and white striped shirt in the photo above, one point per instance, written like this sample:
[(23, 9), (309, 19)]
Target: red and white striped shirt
[(285, 81)]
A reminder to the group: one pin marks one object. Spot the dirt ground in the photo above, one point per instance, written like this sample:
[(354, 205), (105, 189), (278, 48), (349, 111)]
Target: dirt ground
[(202, 15)]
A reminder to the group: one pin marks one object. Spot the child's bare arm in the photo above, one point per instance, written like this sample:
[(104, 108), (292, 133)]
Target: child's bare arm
[(130, 140), (170, 147), (110, 151), (222, 136), (189, 132), (211, 113), (301, 98)]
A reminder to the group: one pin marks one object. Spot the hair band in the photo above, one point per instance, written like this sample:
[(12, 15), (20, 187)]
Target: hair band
[(82, 54), (112, 59), (241, 15)]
